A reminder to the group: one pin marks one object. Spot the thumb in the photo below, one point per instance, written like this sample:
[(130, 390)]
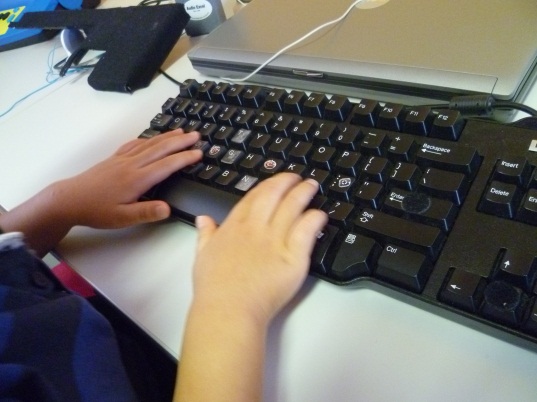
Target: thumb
[(206, 227), (142, 212)]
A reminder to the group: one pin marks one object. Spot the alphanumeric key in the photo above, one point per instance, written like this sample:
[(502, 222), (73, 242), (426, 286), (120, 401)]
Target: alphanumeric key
[(245, 183), (322, 177), (270, 167), (323, 156), (244, 118), (347, 137), (226, 115), (161, 121), (348, 163), (234, 94), (376, 169), (337, 108), (365, 113), (251, 163), (404, 175), (227, 179), (181, 107), (259, 143), (280, 147), (192, 125), (211, 112), (203, 146), (214, 153), (241, 138), (324, 133), (178, 122), (342, 187), (195, 110), (223, 135), (167, 107), (340, 213), (449, 185), (302, 129), (207, 131), (208, 173), (281, 125), (300, 152), (263, 121), (293, 102), (390, 117), (314, 105), (369, 195), (374, 143), (296, 168), (402, 148), (232, 158)]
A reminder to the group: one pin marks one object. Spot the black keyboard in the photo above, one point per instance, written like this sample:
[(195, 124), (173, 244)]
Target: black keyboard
[(431, 206)]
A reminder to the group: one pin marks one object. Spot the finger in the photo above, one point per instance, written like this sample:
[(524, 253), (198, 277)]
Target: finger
[(167, 144), (206, 227), (139, 212), (293, 205), (161, 169), (263, 199), (303, 234)]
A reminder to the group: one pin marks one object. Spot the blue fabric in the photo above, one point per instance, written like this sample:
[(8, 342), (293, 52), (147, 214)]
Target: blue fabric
[(54, 346)]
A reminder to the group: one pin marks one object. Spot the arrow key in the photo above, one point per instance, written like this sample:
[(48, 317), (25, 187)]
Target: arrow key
[(518, 268), (463, 289)]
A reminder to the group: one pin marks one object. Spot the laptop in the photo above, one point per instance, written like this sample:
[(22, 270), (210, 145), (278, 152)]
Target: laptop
[(409, 49)]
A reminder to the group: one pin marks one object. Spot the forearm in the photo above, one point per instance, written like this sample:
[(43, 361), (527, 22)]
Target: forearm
[(222, 357), (40, 219)]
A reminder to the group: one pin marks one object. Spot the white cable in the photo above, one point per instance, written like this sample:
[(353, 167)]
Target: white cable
[(296, 42)]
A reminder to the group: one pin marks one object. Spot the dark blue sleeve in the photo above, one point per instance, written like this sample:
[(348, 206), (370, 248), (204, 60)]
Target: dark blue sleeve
[(54, 346)]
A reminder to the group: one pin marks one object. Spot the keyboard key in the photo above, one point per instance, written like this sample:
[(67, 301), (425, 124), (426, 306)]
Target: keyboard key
[(234, 94), (314, 105), (254, 96), (369, 195), (160, 122), (447, 125), (218, 92), (518, 268), (189, 88), (342, 187), (263, 121), (418, 120), (452, 157), (390, 117), (337, 108), (270, 167), (355, 257), (403, 267), (449, 185), (245, 183), (339, 213), (504, 303), (528, 210), (322, 255), (365, 113), (204, 90), (514, 170), (374, 143), (227, 179), (464, 290), (275, 98), (500, 199), (402, 149), (294, 101), (415, 236), (376, 169), (322, 157), (404, 175)]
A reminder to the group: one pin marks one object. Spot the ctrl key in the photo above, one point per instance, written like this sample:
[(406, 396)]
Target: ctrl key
[(463, 289)]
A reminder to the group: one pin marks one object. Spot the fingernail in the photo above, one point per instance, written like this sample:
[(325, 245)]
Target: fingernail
[(162, 212)]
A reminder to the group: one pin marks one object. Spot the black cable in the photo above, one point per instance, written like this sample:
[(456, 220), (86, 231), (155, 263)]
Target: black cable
[(169, 77), (516, 106)]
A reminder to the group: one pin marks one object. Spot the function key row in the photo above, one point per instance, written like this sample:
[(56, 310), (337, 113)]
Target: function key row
[(418, 120)]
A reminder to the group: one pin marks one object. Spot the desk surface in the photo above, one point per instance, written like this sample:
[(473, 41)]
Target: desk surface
[(330, 344)]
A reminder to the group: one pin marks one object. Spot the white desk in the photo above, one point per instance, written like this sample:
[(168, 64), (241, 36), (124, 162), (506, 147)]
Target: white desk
[(332, 344)]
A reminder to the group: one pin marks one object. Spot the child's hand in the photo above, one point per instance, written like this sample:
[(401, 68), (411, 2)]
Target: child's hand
[(106, 195), (260, 255)]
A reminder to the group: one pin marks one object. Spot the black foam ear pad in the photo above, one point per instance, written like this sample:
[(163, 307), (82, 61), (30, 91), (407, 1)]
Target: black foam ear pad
[(72, 39)]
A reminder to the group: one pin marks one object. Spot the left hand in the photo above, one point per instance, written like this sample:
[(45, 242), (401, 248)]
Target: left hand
[(106, 195)]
